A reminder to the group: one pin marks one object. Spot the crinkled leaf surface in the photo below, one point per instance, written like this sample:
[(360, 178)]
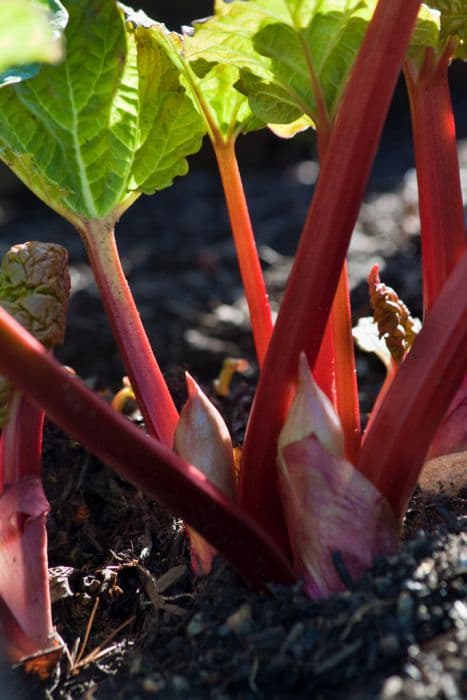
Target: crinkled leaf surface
[(224, 110), (34, 289), (291, 53), (30, 30), (112, 121)]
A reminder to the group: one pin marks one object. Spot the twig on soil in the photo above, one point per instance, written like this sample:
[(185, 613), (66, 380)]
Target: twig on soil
[(86, 634), (76, 660), (155, 587), (98, 652)]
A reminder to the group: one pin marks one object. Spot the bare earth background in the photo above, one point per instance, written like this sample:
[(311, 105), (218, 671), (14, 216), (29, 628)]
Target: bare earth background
[(402, 631)]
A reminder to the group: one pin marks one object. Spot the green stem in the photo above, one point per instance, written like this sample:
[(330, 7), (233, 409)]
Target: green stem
[(322, 250), (145, 376), (244, 240), (440, 194)]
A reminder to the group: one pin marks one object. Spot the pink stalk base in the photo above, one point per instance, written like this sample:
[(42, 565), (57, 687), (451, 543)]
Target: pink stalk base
[(145, 376), (247, 254), (332, 508), (25, 608), (138, 458), (322, 250), (24, 579)]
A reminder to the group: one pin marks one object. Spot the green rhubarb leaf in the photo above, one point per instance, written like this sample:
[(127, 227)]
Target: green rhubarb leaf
[(294, 56), (34, 289), (426, 33), (224, 111), (224, 108), (110, 122), (453, 20), (30, 30)]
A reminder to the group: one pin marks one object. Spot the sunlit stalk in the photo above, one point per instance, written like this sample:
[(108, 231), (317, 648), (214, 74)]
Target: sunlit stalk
[(244, 240), (347, 403), (322, 250), (439, 187), (145, 376)]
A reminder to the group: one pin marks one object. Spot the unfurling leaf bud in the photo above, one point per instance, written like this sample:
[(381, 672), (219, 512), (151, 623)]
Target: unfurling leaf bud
[(311, 413), (202, 439), (395, 324), (329, 506), (34, 289)]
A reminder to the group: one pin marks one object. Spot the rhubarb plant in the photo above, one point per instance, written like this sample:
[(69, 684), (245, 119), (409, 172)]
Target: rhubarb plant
[(441, 208), (88, 138), (315, 500)]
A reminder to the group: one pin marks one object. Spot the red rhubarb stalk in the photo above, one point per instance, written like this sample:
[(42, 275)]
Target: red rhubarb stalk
[(347, 403), (138, 458), (244, 240), (145, 376), (21, 441), (395, 445), (334, 369), (322, 249), (439, 187)]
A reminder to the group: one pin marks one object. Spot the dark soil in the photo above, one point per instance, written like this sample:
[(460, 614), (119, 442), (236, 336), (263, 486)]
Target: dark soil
[(399, 633)]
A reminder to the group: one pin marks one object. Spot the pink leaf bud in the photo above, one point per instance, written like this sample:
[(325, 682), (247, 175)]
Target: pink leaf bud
[(311, 413), (24, 588), (202, 439), (329, 506)]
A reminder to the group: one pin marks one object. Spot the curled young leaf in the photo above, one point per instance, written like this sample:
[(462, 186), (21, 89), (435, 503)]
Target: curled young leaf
[(395, 324), (34, 289)]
